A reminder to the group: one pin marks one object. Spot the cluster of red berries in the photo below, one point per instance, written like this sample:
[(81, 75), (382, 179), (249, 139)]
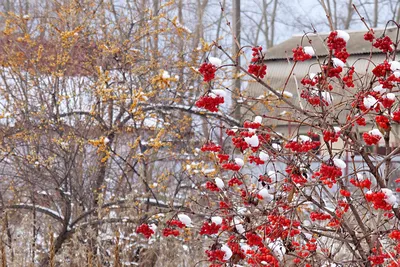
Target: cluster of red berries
[(361, 121), (254, 240), (230, 132), (145, 230), (240, 143), (344, 192), (237, 252), (251, 125), (331, 136), (389, 82), (256, 160), (210, 146), (386, 102), (381, 69), (258, 70), (231, 166), (338, 45), (340, 210), (257, 66), (279, 226), (302, 147), (295, 175), (314, 100), (209, 228), (378, 199), (378, 259), (371, 139), (223, 205), (383, 122), (342, 55), (395, 234), (262, 255), (328, 174), (176, 223), (332, 71), (319, 216), (168, 231), (348, 79), (234, 181), (208, 71), (334, 42), (257, 55), (215, 255), (366, 183), (300, 55), (369, 36), (222, 158), (308, 81), (396, 116), (311, 246), (385, 44), (210, 102), (212, 187)]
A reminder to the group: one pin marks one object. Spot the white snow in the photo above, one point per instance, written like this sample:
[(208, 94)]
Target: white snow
[(343, 34), (337, 129), (287, 94), (337, 62), (165, 75), (153, 227), (309, 50), (265, 194), (238, 225), (369, 101), (185, 219), (219, 92), (394, 65), (207, 171), (379, 89), (391, 96), (228, 252), (263, 156), (258, 119), (244, 247), (304, 138), (278, 248), (390, 198), (239, 162), (252, 141), (376, 132), (276, 146), (327, 97), (219, 183), (339, 163), (215, 61), (217, 220)]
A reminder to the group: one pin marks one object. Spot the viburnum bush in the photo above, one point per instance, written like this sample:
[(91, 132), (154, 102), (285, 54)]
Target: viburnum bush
[(318, 196)]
